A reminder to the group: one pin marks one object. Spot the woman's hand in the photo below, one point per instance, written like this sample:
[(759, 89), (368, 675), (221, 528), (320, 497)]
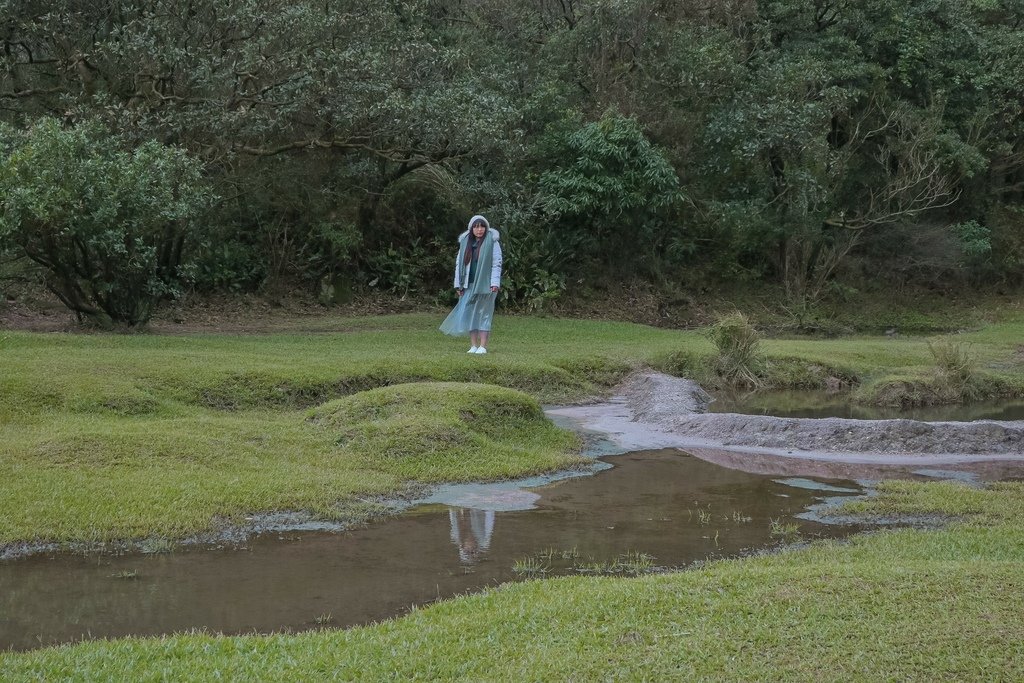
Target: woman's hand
[(493, 289), (460, 291)]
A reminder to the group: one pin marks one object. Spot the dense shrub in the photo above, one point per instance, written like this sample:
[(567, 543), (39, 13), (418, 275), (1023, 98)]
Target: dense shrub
[(109, 226)]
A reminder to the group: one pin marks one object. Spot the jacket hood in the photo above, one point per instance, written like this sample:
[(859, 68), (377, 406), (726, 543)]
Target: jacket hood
[(494, 233)]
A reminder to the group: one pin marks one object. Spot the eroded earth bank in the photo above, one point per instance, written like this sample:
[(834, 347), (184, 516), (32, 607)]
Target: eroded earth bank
[(653, 410)]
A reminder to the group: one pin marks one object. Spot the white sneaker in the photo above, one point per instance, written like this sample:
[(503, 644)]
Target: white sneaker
[(481, 349), (472, 349)]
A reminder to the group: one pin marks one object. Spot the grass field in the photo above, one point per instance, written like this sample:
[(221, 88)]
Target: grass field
[(893, 606), (113, 437), (108, 437)]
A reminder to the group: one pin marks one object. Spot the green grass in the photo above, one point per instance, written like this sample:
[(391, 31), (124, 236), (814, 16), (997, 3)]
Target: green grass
[(112, 437), (101, 477), (894, 606), (904, 370), (142, 374), (106, 437), (154, 438)]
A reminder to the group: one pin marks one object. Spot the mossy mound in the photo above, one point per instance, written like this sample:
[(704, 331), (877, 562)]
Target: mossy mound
[(445, 431), (931, 389)]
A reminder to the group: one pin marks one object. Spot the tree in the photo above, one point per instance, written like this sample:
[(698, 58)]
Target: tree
[(824, 141), (110, 227), (335, 129), (336, 99), (615, 196)]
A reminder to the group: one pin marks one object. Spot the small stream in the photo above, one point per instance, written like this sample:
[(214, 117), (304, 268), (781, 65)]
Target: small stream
[(666, 505)]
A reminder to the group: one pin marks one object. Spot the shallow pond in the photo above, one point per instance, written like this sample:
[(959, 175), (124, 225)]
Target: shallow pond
[(817, 404), (664, 505)]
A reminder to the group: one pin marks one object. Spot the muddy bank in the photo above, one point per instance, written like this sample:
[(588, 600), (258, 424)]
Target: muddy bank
[(652, 410), (226, 533), (511, 495)]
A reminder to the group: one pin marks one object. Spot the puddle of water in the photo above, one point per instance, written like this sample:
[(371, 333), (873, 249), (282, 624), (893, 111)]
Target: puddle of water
[(666, 504), (811, 485), (818, 404)]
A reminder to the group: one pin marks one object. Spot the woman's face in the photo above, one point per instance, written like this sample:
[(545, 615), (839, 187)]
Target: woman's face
[(479, 229)]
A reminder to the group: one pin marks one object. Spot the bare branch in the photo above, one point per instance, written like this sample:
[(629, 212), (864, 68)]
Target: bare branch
[(916, 180), (31, 93)]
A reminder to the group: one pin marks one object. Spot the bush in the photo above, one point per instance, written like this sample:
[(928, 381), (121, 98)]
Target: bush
[(109, 226), (616, 199)]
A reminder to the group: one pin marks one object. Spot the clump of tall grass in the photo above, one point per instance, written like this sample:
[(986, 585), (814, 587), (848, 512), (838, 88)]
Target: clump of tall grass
[(739, 349), (531, 567), (956, 369), (955, 378), (633, 562), (126, 574), (787, 531), (682, 363)]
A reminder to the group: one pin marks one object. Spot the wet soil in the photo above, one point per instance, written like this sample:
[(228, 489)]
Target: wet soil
[(215, 314)]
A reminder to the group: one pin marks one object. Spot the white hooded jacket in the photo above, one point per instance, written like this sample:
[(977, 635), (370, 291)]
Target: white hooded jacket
[(495, 255)]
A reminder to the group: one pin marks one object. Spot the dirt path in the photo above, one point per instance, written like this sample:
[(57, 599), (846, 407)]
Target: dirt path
[(652, 410)]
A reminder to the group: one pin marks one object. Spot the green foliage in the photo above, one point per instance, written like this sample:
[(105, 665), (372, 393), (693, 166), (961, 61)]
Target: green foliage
[(304, 113), (406, 269), (535, 293), (332, 245), (535, 265), (798, 142), (110, 227), (227, 265), (975, 237), (616, 170), (819, 148), (1008, 245), (616, 196)]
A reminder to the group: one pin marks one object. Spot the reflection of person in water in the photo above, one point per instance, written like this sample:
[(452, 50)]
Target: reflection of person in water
[(471, 532)]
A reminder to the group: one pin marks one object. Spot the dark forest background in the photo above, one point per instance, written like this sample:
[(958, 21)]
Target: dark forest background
[(813, 147)]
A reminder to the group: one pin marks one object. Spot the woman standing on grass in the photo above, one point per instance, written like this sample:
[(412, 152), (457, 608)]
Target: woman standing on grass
[(477, 280)]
